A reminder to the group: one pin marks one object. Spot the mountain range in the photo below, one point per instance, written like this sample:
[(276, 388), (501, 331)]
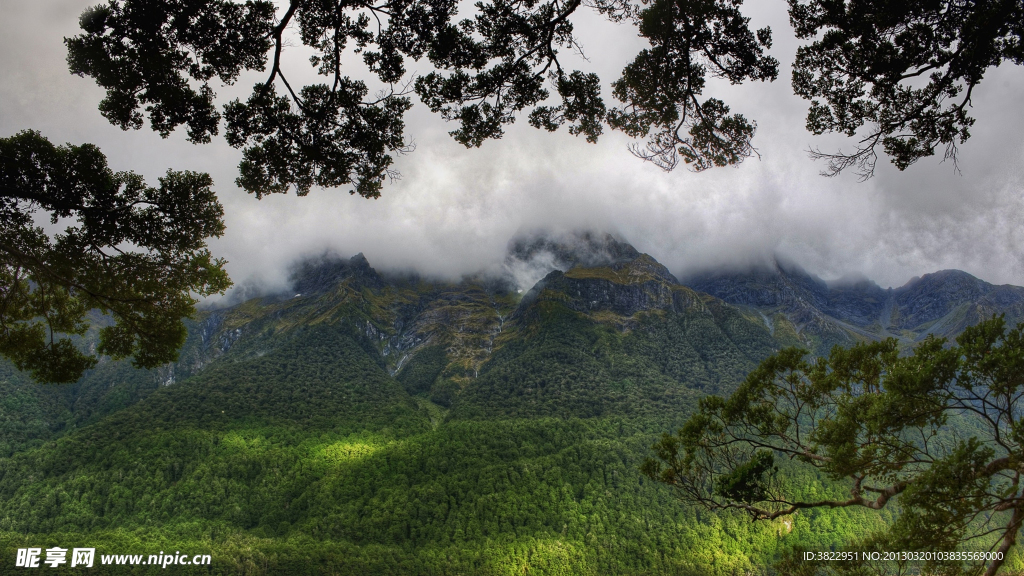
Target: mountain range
[(940, 304), (371, 422)]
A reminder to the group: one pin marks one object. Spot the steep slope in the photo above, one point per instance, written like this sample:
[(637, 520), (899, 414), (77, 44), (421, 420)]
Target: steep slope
[(621, 339), (943, 304), (946, 302), (790, 302)]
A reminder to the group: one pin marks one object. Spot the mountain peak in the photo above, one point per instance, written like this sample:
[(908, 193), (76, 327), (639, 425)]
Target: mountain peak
[(775, 283), (579, 248), (948, 276), (531, 257), (641, 269), (321, 273)]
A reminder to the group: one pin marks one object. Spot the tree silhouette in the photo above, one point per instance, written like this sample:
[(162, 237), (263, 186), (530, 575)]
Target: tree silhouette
[(158, 58), (895, 75), (898, 75), (137, 253)]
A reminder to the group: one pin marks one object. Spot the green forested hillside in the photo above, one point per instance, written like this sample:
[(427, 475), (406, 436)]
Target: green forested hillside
[(31, 414), (373, 426), (571, 366), (561, 497)]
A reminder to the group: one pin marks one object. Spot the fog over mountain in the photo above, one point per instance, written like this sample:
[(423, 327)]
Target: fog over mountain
[(454, 210)]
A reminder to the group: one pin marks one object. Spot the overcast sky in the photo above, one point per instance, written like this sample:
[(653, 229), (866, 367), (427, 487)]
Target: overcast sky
[(454, 210)]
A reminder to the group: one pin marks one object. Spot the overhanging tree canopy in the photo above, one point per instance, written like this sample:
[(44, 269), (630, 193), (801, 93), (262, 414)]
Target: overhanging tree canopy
[(863, 72), (134, 252), (940, 431), (161, 56), (898, 75)]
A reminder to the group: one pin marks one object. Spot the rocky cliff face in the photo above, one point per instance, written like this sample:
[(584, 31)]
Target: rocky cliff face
[(462, 325), (786, 296), (456, 327), (622, 288), (933, 296), (766, 287)]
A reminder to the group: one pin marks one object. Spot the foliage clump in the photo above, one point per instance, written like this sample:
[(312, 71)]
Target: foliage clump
[(134, 252), (938, 431)]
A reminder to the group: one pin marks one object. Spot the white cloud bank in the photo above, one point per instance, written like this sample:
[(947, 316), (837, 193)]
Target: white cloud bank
[(454, 210)]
